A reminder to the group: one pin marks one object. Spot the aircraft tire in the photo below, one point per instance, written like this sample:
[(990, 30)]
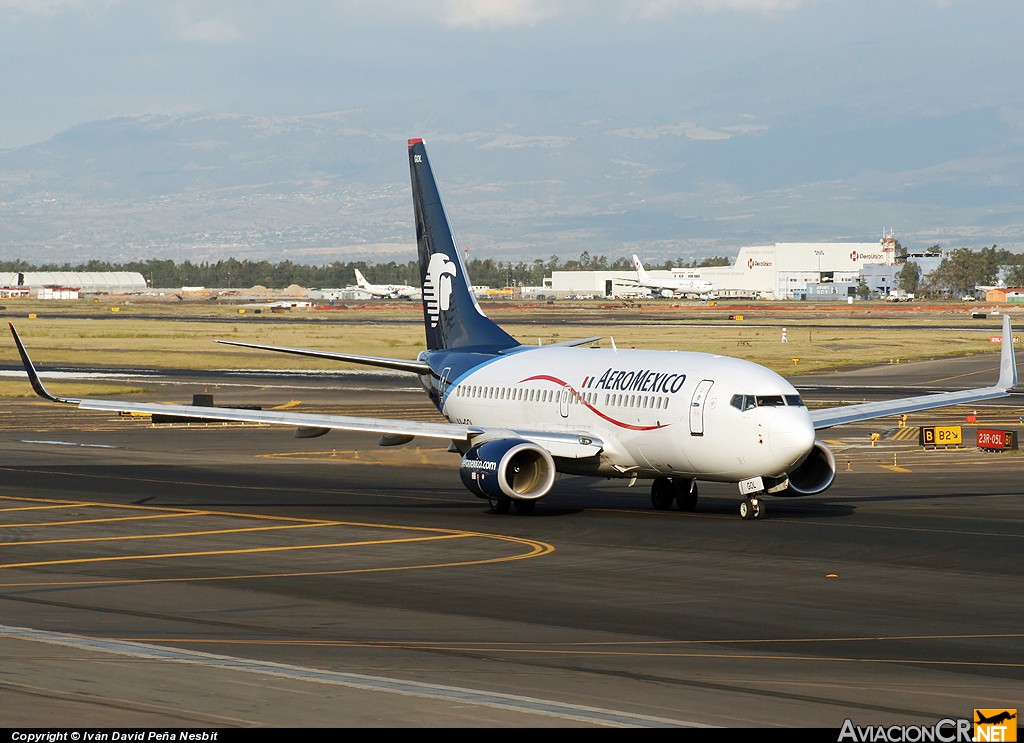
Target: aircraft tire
[(499, 505), (759, 508), (686, 495), (525, 507), (662, 493)]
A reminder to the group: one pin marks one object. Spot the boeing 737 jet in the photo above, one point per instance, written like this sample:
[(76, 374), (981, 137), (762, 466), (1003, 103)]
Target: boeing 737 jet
[(671, 286), (518, 415), (386, 291)]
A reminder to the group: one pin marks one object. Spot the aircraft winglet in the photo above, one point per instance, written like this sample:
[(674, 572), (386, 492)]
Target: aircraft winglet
[(1007, 359), (33, 375)]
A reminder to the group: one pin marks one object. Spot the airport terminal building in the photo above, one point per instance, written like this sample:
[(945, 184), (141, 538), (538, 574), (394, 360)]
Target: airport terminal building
[(777, 271)]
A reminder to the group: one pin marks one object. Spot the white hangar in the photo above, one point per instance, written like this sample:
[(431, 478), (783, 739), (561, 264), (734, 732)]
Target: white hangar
[(87, 282), (777, 271)]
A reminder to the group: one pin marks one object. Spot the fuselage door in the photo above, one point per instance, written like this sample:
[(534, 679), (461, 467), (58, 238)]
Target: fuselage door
[(697, 407), (563, 401), (442, 383)]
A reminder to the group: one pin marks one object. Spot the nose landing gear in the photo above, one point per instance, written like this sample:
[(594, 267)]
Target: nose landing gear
[(751, 508)]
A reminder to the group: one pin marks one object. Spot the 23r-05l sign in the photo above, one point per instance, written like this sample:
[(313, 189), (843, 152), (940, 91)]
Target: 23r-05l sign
[(995, 439)]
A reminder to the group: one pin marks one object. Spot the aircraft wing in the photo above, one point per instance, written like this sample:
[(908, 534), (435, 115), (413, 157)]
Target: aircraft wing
[(567, 445), (828, 417)]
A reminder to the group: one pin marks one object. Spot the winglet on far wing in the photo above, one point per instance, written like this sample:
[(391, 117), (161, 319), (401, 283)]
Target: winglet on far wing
[(1007, 360), (33, 375), (1006, 384)]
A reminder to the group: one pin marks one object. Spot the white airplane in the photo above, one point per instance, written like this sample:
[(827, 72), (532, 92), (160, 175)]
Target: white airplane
[(386, 291), (518, 415), (670, 286)]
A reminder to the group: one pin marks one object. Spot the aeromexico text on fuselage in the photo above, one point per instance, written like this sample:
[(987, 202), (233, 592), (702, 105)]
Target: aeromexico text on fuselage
[(641, 380), (633, 380)]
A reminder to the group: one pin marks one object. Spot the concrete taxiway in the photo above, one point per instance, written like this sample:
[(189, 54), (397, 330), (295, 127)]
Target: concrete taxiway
[(231, 576)]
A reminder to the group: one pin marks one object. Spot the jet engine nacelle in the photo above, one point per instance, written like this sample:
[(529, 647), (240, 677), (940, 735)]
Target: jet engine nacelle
[(508, 468), (814, 475), (667, 293)]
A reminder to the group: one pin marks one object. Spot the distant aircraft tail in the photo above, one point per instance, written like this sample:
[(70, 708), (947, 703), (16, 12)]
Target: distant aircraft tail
[(641, 274), (360, 279), (451, 316)]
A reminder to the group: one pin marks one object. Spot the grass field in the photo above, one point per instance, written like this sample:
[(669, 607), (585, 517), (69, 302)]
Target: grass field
[(113, 333)]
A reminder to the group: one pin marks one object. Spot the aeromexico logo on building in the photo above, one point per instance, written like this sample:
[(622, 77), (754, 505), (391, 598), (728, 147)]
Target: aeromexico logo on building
[(437, 286)]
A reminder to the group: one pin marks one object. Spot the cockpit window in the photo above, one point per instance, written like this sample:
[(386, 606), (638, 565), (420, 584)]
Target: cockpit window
[(742, 402), (749, 402)]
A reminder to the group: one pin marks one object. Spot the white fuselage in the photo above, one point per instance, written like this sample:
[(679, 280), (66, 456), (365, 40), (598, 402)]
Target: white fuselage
[(679, 286), (389, 291), (659, 413)]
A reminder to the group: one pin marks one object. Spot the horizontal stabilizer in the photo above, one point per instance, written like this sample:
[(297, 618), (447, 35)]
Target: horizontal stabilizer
[(416, 367)]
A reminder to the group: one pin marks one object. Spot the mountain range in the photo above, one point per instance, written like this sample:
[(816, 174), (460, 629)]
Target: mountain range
[(525, 175)]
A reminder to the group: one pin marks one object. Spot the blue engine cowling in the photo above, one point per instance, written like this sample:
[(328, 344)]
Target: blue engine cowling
[(508, 468)]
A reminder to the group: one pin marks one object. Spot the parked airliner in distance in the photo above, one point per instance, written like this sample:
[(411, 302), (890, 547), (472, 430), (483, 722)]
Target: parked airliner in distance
[(386, 291), (671, 286), (520, 414)]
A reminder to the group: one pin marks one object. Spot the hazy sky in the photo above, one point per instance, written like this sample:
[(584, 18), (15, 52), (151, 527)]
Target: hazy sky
[(66, 62)]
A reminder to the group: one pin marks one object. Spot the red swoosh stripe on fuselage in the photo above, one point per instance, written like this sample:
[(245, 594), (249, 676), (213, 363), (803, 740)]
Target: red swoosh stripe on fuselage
[(595, 411)]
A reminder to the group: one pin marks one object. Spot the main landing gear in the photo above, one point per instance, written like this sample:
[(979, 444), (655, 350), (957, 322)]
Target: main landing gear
[(751, 508), (666, 490)]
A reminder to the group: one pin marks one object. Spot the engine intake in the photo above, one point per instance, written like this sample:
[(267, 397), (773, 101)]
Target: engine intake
[(508, 468), (814, 475)]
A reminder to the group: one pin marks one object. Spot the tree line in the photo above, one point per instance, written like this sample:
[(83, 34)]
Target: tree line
[(244, 274), (961, 271)]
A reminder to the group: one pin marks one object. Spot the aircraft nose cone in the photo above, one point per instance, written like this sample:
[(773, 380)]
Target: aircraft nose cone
[(791, 433)]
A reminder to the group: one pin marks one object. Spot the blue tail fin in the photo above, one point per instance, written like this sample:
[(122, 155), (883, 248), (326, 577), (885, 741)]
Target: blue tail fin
[(451, 316)]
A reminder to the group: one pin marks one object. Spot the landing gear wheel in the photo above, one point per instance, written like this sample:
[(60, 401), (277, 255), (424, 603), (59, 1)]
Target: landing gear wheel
[(686, 495), (525, 506), (758, 508), (499, 505), (663, 492), (751, 508)]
